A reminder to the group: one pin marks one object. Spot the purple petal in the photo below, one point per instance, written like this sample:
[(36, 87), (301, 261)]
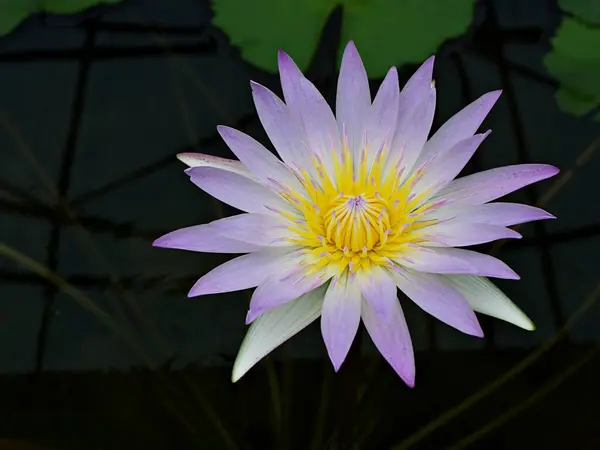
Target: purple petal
[(353, 98), (462, 234), (460, 126), (202, 160), (203, 238), (236, 190), (240, 273), (321, 128), (433, 260), (391, 337), (381, 120), (446, 166), (437, 297), (415, 116), (257, 229), (377, 288), (286, 283), (275, 327), (284, 133), (260, 161), (491, 184), (504, 214), (340, 318), (290, 76), (481, 264), (308, 106)]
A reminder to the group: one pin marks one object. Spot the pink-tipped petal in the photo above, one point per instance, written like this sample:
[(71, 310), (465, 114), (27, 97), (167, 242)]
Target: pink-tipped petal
[(340, 319), (391, 337), (377, 288), (437, 297), (243, 272), (491, 184), (285, 134), (203, 238), (260, 161), (275, 327), (202, 160), (460, 126), (415, 116), (236, 190), (381, 120), (463, 234), (353, 97)]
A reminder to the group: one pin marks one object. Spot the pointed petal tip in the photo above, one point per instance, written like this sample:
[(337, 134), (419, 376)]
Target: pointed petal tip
[(187, 158), (406, 375), (252, 315), (351, 47), (160, 242)]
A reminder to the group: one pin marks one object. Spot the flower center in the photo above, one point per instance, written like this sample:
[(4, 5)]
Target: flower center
[(356, 223), (354, 215)]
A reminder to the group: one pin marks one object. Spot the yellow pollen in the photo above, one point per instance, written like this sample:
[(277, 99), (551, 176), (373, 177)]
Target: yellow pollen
[(357, 214)]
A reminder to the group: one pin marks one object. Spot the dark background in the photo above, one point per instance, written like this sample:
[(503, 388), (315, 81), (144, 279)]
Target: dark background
[(99, 346)]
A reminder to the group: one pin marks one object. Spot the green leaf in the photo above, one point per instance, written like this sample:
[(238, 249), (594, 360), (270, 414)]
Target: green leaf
[(396, 32), (386, 32), (261, 27), (13, 12), (575, 63), (587, 10)]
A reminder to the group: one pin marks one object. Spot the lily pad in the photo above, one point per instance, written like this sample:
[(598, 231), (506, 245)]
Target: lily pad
[(586, 10), (575, 63), (13, 12), (386, 32)]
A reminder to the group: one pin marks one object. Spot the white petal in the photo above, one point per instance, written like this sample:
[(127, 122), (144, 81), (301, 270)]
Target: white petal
[(486, 298), (275, 327)]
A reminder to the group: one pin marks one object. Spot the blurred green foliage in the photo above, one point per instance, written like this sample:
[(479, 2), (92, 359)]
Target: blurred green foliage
[(13, 12), (386, 32), (575, 58)]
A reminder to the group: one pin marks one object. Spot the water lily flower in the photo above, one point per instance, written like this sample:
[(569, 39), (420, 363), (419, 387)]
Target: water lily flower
[(357, 206)]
